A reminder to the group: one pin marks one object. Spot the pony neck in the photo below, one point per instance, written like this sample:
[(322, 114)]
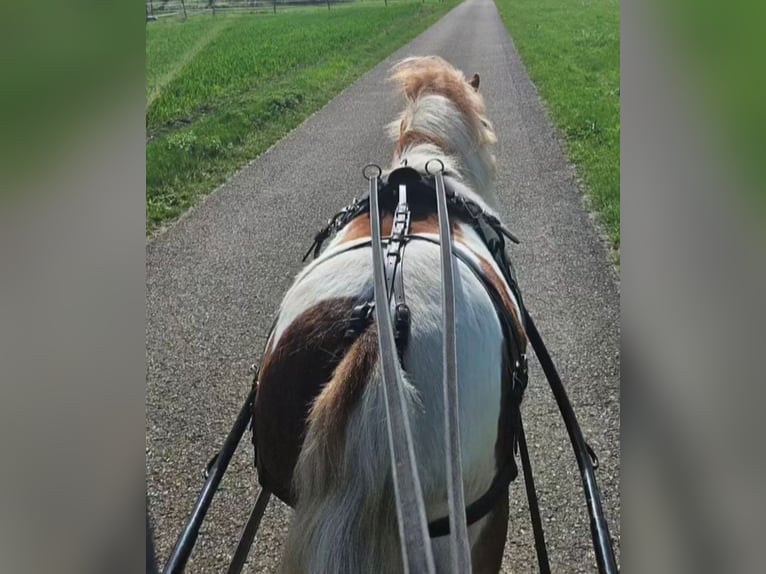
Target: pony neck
[(434, 126)]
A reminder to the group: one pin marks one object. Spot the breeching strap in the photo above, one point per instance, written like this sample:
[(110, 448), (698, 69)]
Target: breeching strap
[(248, 532), (534, 506), (410, 508), (459, 547)]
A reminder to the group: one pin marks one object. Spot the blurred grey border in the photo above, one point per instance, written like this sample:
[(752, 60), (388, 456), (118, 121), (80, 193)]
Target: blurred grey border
[(72, 303), (693, 339), (72, 312)]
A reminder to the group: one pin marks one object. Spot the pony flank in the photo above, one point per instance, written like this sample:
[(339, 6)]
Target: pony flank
[(319, 415)]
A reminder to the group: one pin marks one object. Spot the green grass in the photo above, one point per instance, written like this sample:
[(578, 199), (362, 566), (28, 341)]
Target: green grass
[(220, 90), (571, 49)]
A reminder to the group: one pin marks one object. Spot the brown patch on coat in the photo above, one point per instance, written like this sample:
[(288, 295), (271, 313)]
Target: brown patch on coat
[(334, 405), (430, 224), (292, 375), (359, 227), (502, 288)]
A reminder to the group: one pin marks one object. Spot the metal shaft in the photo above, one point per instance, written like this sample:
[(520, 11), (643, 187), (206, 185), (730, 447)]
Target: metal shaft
[(185, 543)]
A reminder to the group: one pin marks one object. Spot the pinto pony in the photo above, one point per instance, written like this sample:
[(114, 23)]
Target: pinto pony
[(320, 427)]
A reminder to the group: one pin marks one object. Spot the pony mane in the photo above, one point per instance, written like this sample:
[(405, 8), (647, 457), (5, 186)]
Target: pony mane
[(445, 117)]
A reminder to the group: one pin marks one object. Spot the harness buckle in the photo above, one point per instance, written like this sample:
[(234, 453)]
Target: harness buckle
[(361, 317), (473, 209), (519, 378), (401, 326)]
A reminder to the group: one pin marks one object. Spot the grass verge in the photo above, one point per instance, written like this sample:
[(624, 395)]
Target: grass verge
[(220, 90), (572, 52)]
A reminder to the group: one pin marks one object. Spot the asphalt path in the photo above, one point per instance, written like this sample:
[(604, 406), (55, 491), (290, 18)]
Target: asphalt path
[(214, 281)]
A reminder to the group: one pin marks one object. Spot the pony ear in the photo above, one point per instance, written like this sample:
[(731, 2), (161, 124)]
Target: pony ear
[(474, 81)]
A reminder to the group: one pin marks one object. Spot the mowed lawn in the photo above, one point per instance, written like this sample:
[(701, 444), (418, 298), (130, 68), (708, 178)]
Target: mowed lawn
[(220, 90), (571, 49)]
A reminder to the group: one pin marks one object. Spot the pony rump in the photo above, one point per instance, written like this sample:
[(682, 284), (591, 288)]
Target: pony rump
[(445, 116)]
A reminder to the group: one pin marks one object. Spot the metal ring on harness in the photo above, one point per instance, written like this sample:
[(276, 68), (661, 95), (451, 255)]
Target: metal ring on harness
[(366, 172), (441, 166)]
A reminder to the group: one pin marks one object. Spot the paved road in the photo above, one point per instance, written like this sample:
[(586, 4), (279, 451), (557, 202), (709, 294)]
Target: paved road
[(214, 281)]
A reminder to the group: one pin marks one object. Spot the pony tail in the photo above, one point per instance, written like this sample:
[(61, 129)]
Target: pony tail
[(345, 519)]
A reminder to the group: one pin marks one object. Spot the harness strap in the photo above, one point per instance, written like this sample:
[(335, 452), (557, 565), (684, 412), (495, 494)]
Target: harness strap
[(248, 532), (395, 274), (410, 508), (483, 505), (534, 506), (460, 550)]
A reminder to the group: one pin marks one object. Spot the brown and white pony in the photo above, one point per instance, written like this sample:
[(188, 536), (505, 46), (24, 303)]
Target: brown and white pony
[(319, 414)]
